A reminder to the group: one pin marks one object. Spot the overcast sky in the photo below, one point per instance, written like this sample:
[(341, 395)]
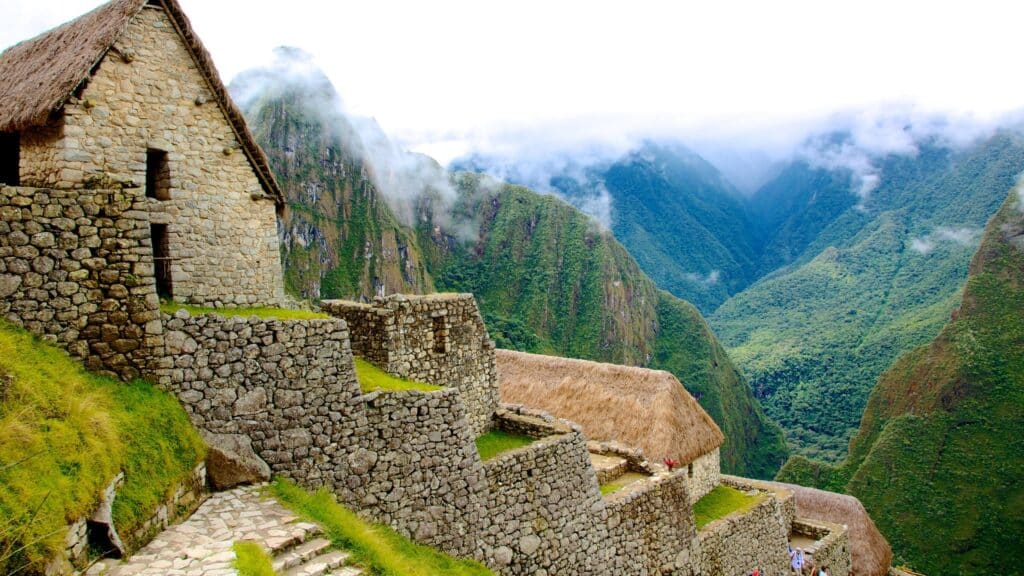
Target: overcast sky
[(443, 76)]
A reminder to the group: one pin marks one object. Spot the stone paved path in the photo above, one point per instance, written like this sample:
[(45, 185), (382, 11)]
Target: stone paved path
[(201, 545)]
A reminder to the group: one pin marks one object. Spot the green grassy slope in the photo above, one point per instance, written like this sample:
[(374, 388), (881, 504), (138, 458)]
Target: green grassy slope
[(939, 457), (550, 281), (65, 434), (813, 339)]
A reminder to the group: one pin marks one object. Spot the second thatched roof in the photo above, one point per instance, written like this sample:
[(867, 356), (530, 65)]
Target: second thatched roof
[(869, 549), (647, 409)]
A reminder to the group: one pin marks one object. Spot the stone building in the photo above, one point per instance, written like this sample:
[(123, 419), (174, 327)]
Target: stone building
[(638, 407), (126, 98)]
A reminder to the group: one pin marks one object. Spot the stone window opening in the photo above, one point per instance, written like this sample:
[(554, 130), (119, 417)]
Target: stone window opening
[(10, 157), (162, 261), (158, 175), (440, 335), (689, 470)]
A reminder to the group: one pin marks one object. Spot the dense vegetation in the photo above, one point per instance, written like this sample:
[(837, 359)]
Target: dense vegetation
[(873, 284), (378, 549), (546, 277), (65, 434), (939, 456)]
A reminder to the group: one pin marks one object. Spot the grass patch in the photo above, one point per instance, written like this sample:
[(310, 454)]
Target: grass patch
[(721, 502), (495, 442), (65, 434), (372, 378), (251, 559), (622, 481), (379, 549), (261, 312)]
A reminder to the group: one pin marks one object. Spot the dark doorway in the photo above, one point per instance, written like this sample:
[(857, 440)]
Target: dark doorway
[(440, 334), (162, 261), (158, 175), (10, 157)]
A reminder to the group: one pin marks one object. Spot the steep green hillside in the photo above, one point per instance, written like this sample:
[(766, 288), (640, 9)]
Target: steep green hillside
[(339, 237), (64, 435), (872, 285), (685, 224), (549, 280), (939, 457), (793, 208)]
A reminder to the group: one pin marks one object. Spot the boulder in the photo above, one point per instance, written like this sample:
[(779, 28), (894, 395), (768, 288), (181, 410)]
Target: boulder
[(231, 461)]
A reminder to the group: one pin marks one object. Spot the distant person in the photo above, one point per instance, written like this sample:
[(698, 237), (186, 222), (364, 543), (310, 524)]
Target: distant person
[(823, 571)]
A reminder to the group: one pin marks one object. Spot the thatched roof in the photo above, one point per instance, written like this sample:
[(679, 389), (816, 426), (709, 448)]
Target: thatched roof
[(38, 76), (648, 409), (870, 551)]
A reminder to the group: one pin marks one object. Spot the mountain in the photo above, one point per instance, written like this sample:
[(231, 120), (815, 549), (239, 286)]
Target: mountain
[(939, 456), (874, 282), (685, 224), (339, 236), (547, 278)]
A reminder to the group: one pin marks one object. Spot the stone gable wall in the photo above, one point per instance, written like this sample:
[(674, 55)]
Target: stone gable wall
[(76, 269), (439, 339), (148, 93), (706, 473), (740, 542)]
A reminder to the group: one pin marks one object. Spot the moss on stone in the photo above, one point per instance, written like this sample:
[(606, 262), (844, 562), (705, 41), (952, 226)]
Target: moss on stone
[(721, 502), (372, 378), (260, 312), (496, 442)]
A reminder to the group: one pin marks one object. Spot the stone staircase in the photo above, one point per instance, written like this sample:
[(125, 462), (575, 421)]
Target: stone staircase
[(202, 545)]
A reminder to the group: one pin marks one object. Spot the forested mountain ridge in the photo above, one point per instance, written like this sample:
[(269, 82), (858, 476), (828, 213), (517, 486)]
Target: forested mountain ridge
[(875, 283), (939, 456), (547, 278)]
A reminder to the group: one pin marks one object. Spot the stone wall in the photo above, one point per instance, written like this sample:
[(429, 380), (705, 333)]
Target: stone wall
[(415, 466), (742, 541), (148, 93), (651, 529), (545, 512), (288, 385), (703, 474), (439, 339), (831, 547), (76, 268)]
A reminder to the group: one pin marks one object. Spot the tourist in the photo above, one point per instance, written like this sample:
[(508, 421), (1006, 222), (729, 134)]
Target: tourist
[(823, 571)]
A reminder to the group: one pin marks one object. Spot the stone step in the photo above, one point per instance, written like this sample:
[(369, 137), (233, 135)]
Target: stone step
[(319, 566), (301, 553), (296, 534)]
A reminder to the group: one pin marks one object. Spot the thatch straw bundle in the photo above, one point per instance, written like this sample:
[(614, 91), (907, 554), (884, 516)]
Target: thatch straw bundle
[(870, 551), (648, 409), (38, 76)]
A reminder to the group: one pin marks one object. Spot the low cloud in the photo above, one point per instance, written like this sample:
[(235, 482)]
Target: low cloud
[(964, 236), (413, 185), (709, 279)]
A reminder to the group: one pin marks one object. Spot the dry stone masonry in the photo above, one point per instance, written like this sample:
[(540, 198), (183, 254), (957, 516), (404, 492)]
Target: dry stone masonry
[(439, 339), (148, 107), (76, 269)]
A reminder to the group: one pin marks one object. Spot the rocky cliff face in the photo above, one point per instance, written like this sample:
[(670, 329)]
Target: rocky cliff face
[(339, 237)]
